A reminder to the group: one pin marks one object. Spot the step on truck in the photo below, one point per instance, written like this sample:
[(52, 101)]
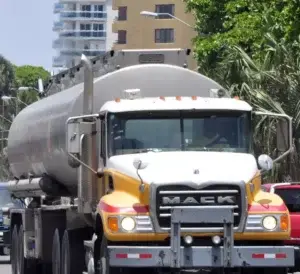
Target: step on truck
[(148, 167)]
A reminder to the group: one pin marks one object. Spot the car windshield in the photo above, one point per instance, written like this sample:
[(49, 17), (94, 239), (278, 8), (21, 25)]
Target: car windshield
[(291, 198), (135, 132), (6, 200)]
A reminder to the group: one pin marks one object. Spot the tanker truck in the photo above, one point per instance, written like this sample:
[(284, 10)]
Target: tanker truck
[(149, 167)]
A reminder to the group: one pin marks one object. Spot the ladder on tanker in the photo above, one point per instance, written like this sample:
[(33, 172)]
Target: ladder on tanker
[(114, 60)]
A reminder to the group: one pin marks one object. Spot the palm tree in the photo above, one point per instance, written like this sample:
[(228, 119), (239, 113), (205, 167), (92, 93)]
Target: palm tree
[(269, 83)]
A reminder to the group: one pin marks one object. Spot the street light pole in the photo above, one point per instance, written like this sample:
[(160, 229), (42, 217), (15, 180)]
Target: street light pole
[(7, 98), (157, 14), (40, 90)]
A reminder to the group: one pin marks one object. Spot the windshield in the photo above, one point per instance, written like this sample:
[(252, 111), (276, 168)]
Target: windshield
[(6, 200), (135, 132), (291, 198)]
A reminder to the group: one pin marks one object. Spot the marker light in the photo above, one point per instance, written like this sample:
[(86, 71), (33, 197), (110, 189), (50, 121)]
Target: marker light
[(284, 222), (216, 240), (188, 239), (269, 222), (113, 224), (128, 224)]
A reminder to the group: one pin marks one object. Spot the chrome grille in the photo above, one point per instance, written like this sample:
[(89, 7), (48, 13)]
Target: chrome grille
[(170, 196)]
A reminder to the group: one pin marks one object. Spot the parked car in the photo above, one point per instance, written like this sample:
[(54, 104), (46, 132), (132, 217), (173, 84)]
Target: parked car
[(6, 203), (290, 194)]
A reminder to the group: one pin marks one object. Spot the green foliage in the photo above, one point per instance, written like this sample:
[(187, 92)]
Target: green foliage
[(253, 49), (242, 23), (28, 75), (11, 78), (6, 75)]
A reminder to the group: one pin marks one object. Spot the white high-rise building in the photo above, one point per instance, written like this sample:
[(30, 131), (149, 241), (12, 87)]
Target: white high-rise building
[(83, 26)]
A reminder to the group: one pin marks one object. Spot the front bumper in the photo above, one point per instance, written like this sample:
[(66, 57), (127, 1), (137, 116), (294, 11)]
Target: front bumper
[(227, 255), (5, 239), (201, 257)]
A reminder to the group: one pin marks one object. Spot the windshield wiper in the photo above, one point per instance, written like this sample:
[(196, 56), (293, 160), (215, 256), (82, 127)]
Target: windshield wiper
[(143, 150)]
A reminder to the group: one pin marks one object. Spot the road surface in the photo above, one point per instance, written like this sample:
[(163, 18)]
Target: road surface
[(4, 265)]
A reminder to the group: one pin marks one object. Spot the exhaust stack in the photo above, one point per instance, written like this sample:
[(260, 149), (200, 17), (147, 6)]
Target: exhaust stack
[(88, 91), (87, 182)]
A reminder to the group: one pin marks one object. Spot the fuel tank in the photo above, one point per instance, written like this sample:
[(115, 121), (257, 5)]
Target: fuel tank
[(36, 141)]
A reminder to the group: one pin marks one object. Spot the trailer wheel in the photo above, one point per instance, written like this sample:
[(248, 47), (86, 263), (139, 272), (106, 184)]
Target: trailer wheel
[(25, 266), (14, 250), (20, 254), (56, 261)]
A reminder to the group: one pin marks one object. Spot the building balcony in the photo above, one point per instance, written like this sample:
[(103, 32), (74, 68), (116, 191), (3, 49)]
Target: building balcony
[(78, 52), (58, 7), (83, 34), (78, 1), (83, 15), (58, 62), (57, 26), (57, 44)]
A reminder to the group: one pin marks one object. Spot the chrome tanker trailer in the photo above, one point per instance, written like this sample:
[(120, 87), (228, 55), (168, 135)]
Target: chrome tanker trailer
[(117, 167)]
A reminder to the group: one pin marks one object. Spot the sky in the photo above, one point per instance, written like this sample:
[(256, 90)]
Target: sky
[(26, 32)]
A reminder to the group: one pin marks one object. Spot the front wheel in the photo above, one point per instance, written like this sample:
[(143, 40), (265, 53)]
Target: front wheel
[(14, 250)]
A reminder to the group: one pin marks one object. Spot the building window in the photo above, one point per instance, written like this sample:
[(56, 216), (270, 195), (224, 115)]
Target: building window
[(122, 37), (85, 26), (169, 8), (164, 35), (86, 11), (98, 27), (86, 8), (122, 15), (98, 7)]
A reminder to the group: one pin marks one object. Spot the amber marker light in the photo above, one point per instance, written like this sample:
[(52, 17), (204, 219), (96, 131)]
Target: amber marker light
[(284, 222), (113, 224)]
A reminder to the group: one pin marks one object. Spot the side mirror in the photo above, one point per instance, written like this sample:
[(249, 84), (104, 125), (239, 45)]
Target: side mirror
[(74, 139), (265, 162), (282, 131)]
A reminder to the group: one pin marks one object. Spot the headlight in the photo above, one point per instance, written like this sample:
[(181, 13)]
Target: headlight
[(128, 224), (269, 222), (6, 221)]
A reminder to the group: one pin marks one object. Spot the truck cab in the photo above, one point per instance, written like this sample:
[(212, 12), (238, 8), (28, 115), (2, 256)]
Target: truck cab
[(6, 204)]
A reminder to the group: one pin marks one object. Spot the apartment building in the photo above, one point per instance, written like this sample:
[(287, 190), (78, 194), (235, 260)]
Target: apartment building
[(150, 24), (83, 26)]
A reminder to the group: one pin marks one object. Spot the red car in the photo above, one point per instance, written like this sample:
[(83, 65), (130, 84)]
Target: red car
[(290, 194)]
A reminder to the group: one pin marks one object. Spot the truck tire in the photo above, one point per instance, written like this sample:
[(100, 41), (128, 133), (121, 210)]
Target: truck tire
[(25, 266), (20, 254), (101, 259), (14, 250), (73, 252), (56, 250)]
